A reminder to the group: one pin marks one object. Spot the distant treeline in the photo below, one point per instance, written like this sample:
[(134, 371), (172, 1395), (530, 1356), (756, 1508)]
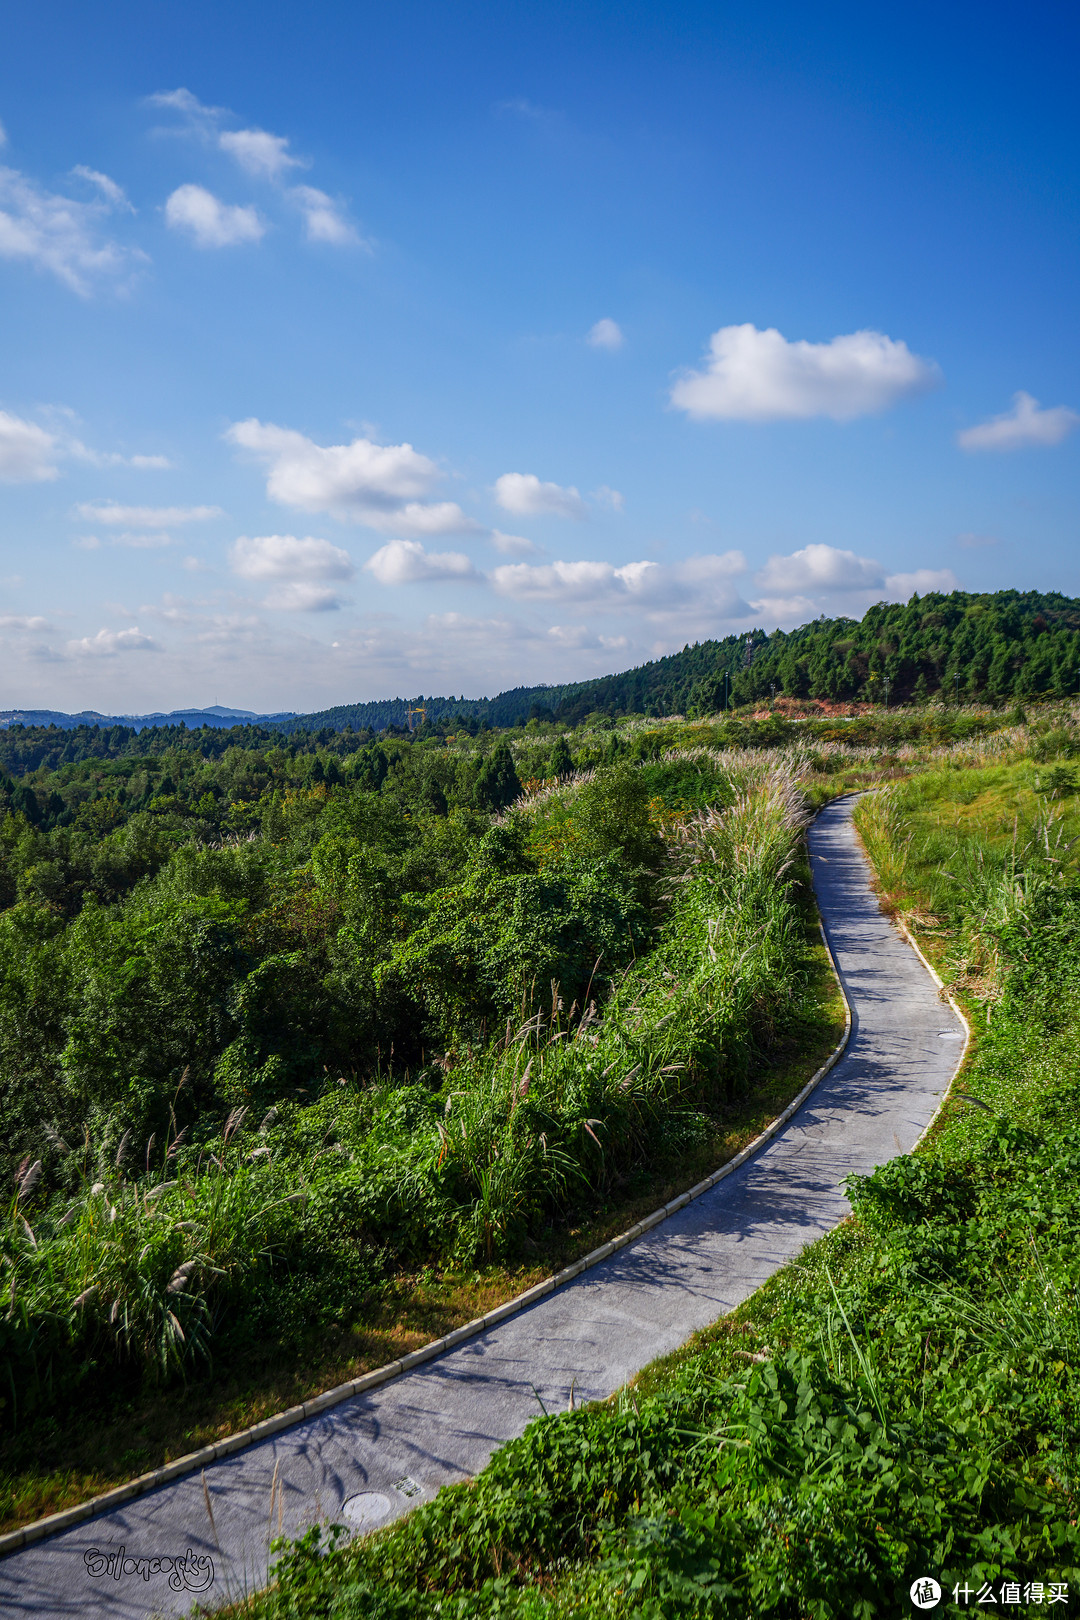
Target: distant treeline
[(999, 648)]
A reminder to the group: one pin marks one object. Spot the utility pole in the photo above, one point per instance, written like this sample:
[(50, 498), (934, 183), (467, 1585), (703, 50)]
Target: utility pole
[(956, 678), (886, 691)]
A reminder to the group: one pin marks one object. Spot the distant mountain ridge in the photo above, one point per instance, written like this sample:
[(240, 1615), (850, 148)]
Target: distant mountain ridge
[(192, 718)]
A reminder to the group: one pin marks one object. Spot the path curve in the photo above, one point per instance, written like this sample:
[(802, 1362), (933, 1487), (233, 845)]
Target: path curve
[(379, 1454)]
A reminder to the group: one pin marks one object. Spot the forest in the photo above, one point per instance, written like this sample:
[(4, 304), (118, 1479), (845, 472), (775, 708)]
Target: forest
[(279, 1029)]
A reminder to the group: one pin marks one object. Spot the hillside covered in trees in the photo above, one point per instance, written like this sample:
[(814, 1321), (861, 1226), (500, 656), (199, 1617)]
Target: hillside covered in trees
[(995, 647)]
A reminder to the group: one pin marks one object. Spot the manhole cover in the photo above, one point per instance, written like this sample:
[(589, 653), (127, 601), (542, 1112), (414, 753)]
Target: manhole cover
[(366, 1510)]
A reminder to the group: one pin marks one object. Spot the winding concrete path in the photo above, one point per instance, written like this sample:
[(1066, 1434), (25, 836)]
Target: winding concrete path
[(379, 1454)]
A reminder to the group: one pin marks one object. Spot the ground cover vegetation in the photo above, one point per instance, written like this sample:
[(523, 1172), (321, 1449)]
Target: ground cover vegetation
[(903, 1401), (421, 1013)]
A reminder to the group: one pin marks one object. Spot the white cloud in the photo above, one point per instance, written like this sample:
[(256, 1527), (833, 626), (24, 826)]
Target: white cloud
[(182, 101), (87, 542), (577, 638), (1025, 425), (758, 376), (323, 219), (144, 517), (113, 458), (109, 642), (416, 518), (405, 562), (653, 588), (21, 621), (263, 156), (27, 452), (3, 135), (376, 484), (210, 222), (283, 556), (114, 194), (525, 496), (971, 542), (821, 578), (58, 234), (899, 587), (514, 545), (302, 596), (606, 496), (259, 153), (606, 334), (817, 568)]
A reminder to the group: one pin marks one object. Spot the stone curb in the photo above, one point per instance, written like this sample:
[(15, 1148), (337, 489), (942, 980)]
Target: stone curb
[(939, 981), (243, 1438), (905, 933)]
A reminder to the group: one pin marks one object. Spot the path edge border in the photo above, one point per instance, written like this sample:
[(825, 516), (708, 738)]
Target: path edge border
[(95, 1506), (958, 1010)]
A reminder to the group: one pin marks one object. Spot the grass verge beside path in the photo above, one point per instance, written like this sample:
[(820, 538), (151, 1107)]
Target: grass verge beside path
[(57, 1465), (904, 1401)]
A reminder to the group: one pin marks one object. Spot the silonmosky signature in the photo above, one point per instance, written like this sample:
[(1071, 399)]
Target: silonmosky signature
[(193, 1571)]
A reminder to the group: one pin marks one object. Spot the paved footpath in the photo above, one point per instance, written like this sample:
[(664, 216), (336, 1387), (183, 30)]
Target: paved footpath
[(375, 1456)]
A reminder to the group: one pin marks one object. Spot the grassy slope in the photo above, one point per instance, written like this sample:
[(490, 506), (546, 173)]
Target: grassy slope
[(904, 1400)]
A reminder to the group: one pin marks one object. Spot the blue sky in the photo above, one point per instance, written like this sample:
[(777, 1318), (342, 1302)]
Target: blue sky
[(353, 350)]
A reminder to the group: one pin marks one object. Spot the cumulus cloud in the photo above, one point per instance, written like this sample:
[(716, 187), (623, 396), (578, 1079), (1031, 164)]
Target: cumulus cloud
[(820, 577), (144, 517), (259, 153), (283, 556), (27, 452), (606, 334), (646, 586), (324, 220), (525, 496), (59, 234), (376, 484), (405, 562), (817, 568), (113, 193), (208, 221), (107, 643), (899, 587), (758, 376), (1025, 425)]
